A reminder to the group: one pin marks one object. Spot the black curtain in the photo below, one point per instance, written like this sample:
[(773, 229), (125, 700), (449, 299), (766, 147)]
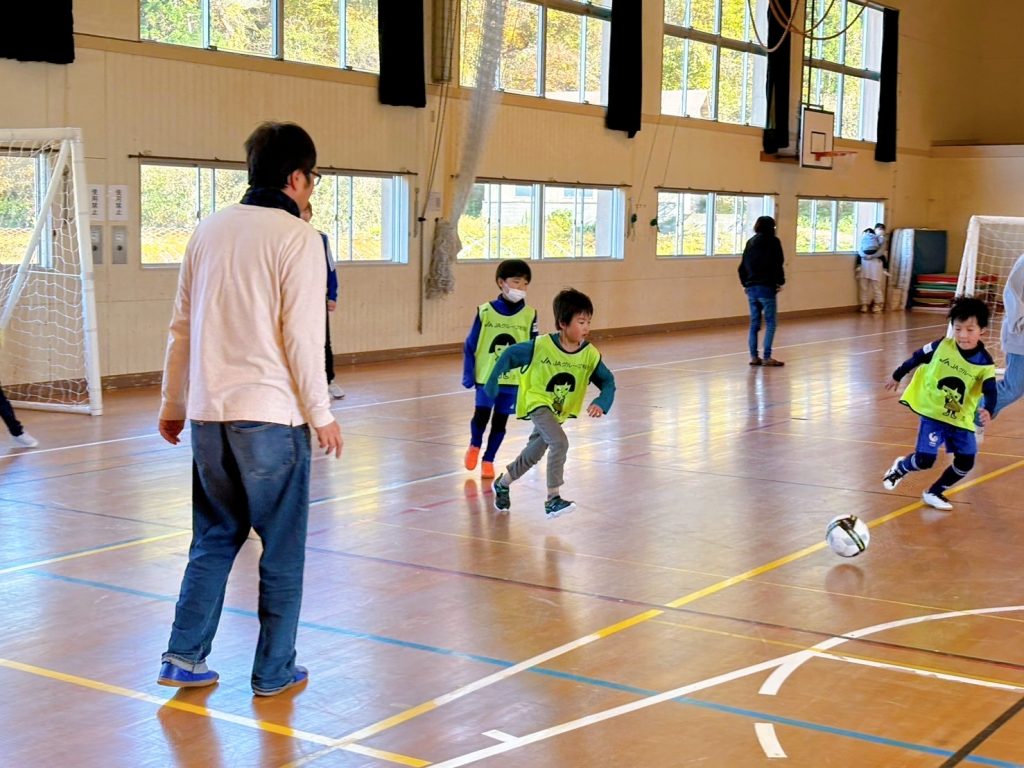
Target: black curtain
[(885, 148), (625, 68), (42, 30), (776, 129), (403, 80)]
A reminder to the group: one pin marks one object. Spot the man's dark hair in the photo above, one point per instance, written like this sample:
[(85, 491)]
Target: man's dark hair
[(966, 307), (880, 224), (513, 268), (568, 304), (765, 225), (276, 150)]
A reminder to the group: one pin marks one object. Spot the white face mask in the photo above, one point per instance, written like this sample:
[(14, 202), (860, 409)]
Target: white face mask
[(514, 295)]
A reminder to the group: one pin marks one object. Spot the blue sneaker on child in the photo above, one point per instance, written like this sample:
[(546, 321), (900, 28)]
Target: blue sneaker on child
[(177, 677)]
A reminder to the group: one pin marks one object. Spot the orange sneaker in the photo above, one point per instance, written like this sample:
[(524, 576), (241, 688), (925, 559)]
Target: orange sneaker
[(486, 470), (472, 454)]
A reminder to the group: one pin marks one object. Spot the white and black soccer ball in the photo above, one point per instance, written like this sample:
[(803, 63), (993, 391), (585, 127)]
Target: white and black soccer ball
[(847, 535)]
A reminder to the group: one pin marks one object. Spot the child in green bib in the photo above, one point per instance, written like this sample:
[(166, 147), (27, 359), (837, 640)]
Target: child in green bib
[(555, 371), (498, 324), (953, 376)]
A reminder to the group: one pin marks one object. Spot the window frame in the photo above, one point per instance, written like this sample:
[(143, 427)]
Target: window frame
[(395, 226), (715, 39), (586, 11), (812, 66), (537, 204), (878, 215), (710, 212)]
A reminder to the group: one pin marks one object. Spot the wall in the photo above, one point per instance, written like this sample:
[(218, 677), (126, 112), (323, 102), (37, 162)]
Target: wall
[(135, 98)]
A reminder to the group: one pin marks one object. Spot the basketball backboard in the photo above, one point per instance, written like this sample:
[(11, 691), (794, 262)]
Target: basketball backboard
[(817, 134)]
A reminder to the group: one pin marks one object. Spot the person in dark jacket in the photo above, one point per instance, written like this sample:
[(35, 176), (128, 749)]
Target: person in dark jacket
[(762, 277)]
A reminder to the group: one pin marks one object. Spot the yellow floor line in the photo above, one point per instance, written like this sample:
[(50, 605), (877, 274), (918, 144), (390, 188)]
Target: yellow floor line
[(196, 709), (433, 704)]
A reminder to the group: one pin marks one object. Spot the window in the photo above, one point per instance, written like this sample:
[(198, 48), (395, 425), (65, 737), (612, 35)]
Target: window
[(695, 223), (841, 74), (713, 63), (365, 217), (23, 185), (834, 226), (557, 49), (332, 33), (508, 221)]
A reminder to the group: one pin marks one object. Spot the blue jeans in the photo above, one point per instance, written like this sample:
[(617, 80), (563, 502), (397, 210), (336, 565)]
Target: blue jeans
[(761, 299), (1011, 387), (245, 474)]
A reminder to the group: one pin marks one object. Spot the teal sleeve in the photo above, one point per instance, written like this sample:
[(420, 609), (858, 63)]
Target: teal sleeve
[(515, 356), (605, 381)]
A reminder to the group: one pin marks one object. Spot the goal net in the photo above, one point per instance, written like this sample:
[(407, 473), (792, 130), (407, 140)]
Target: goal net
[(48, 352), (993, 245)]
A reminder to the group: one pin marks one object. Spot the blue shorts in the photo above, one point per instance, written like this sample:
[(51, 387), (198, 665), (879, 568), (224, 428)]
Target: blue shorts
[(505, 402), (934, 433)]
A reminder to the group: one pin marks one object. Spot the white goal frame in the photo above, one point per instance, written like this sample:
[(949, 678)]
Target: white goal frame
[(71, 154)]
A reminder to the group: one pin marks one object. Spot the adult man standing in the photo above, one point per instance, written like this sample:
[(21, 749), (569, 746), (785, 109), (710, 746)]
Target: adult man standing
[(245, 364)]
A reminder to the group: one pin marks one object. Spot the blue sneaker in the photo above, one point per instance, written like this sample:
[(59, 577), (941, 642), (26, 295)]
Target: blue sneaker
[(176, 677), (557, 507), (300, 676), (502, 498)]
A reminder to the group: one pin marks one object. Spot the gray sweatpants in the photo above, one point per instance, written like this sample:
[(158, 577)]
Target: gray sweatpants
[(549, 436)]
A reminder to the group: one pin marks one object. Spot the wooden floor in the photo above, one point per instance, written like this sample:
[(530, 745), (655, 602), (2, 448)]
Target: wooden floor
[(687, 614)]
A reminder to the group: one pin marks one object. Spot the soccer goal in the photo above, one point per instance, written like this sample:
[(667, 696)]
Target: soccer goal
[(48, 351), (993, 245)]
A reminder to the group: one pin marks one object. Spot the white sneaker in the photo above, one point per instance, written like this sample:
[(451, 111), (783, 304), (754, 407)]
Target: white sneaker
[(936, 500), (335, 391), (892, 478), (25, 440)]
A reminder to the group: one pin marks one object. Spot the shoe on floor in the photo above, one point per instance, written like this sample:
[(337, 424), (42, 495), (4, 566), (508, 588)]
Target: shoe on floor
[(771, 362), (300, 676), (892, 478), (863, 307), (502, 498), (755, 361), (557, 507), (25, 440), (487, 470), (472, 454), (176, 677), (936, 500), (876, 309), (335, 391)]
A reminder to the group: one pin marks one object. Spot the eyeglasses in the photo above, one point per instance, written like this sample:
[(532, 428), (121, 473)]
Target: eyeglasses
[(316, 177)]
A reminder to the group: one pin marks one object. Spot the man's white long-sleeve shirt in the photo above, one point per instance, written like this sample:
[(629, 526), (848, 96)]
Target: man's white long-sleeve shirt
[(246, 340)]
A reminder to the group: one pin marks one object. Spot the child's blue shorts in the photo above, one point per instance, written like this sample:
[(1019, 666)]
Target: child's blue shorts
[(934, 433), (505, 402)]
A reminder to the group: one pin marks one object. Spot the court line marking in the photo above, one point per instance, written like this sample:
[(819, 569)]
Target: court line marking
[(435, 703), (340, 409), (195, 709), (498, 735), (93, 551), (769, 741), (749, 714)]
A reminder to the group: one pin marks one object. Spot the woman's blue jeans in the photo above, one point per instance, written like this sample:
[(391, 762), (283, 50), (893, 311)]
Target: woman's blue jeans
[(762, 300), (245, 475)]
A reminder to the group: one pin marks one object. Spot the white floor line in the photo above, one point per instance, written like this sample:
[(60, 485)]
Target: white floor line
[(769, 741), (29, 452), (498, 735)]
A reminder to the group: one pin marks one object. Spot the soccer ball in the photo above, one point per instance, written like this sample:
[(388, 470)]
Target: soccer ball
[(847, 535)]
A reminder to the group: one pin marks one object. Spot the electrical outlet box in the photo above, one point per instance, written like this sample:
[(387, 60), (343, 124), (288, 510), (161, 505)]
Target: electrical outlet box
[(96, 237), (119, 236)]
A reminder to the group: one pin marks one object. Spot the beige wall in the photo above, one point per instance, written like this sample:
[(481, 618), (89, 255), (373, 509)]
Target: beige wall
[(140, 98)]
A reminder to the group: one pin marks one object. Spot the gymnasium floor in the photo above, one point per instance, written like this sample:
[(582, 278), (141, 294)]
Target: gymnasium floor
[(687, 614)]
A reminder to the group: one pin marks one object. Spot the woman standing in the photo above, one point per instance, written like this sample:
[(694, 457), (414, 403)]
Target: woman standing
[(762, 277)]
